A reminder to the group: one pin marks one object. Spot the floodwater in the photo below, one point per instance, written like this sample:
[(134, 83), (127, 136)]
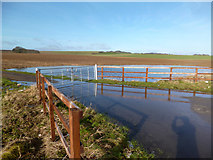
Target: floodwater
[(87, 72), (168, 123)]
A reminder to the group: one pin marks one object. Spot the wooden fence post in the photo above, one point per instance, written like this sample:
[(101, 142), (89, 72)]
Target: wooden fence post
[(170, 78), (43, 95), (147, 74), (196, 72), (123, 74), (52, 123), (102, 72), (39, 85), (74, 122)]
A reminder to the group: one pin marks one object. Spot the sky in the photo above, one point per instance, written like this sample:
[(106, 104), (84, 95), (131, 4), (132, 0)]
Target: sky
[(163, 27)]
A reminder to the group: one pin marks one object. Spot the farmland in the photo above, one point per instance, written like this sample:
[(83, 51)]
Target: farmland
[(56, 58), (113, 54)]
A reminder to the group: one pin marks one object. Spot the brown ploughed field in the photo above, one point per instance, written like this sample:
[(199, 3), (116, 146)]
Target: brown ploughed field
[(17, 60)]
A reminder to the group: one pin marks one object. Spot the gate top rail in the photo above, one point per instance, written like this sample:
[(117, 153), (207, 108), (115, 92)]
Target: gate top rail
[(65, 67)]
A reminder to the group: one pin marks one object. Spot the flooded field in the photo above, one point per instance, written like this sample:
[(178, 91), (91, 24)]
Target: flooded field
[(89, 72), (168, 122)]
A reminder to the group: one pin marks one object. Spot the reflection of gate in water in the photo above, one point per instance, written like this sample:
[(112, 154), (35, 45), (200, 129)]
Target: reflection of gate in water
[(81, 90), (144, 93), (78, 90)]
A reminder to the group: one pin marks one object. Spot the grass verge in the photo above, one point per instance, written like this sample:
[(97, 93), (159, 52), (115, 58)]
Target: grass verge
[(201, 86), (26, 131), (9, 85)]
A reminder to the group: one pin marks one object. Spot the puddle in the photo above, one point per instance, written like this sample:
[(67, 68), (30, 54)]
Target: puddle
[(87, 72), (158, 119), (176, 122)]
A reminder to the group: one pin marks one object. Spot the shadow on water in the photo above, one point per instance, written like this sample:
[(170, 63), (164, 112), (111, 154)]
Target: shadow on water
[(134, 128), (186, 141)]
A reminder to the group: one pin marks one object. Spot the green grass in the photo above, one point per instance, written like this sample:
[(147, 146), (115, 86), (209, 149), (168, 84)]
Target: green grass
[(19, 72), (113, 54), (20, 130), (9, 85), (175, 84), (23, 122), (34, 74)]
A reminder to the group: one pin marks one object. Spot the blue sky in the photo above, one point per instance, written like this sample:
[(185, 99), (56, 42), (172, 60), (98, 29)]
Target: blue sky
[(176, 28)]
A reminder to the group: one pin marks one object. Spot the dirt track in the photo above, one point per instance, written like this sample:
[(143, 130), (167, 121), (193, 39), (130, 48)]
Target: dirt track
[(18, 76), (11, 60)]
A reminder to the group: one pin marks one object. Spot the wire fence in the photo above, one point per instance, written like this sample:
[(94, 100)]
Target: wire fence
[(67, 75), (75, 74)]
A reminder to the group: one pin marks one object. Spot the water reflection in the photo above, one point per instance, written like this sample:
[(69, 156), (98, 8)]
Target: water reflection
[(158, 119)]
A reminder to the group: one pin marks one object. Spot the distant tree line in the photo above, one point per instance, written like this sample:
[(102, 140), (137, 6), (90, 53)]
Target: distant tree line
[(200, 55), (115, 52), (123, 52)]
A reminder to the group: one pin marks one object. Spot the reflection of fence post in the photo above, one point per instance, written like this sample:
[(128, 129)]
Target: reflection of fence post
[(102, 72), (74, 124), (123, 74), (169, 94), (147, 74), (43, 95), (196, 72), (37, 77), (52, 123), (102, 90), (81, 73), (71, 70), (96, 72), (62, 77), (122, 90), (145, 92), (39, 86), (88, 73), (170, 78), (51, 75), (95, 89)]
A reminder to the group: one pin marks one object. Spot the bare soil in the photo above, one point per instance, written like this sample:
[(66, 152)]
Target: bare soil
[(17, 60), (18, 76)]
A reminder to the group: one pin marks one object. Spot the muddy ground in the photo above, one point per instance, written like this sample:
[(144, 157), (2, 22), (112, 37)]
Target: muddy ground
[(18, 76), (12, 60), (17, 60)]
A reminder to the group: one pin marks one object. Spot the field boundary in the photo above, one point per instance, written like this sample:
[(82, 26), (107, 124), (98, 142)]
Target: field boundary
[(195, 78), (75, 114)]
